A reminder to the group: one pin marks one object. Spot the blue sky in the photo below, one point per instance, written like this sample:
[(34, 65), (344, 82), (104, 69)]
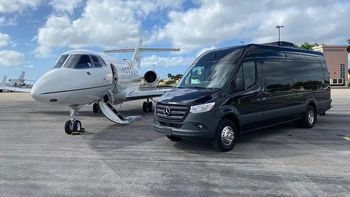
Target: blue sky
[(34, 32)]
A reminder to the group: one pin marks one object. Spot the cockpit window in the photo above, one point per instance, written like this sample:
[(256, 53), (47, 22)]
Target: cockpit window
[(79, 62), (60, 61), (102, 61), (96, 62)]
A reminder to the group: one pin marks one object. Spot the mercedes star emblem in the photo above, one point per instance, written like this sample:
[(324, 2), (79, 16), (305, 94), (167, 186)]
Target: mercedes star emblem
[(167, 111)]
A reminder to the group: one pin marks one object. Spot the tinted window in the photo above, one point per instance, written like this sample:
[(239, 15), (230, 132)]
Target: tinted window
[(325, 74), (307, 75), (211, 70), (79, 62), (207, 75), (249, 73), (239, 83), (60, 61), (277, 76), (96, 62)]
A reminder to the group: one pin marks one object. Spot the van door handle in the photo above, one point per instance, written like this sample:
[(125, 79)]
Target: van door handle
[(262, 99), (88, 73)]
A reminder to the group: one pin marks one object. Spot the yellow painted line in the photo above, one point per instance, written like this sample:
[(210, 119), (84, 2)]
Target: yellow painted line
[(347, 138)]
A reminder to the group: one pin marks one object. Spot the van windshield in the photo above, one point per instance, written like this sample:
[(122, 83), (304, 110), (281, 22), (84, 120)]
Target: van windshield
[(210, 75), (212, 70)]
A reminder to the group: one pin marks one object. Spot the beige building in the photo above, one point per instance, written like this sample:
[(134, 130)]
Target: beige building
[(337, 62)]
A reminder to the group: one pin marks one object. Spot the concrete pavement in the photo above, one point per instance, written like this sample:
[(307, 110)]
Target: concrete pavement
[(38, 159)]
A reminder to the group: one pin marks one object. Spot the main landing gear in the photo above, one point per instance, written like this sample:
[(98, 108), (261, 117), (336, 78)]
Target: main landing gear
[(96, 108), (73, 126), (147, 106)]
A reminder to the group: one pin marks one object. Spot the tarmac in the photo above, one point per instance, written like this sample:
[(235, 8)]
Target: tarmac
[(37, 158)]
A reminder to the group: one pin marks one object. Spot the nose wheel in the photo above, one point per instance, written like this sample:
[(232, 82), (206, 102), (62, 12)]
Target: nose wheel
[(73, 126)]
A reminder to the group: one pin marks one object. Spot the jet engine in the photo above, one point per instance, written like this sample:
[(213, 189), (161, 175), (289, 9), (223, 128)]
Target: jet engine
[(151, 78)]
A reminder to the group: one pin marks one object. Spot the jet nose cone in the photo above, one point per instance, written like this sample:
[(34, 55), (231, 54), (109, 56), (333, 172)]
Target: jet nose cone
[(35, 92)]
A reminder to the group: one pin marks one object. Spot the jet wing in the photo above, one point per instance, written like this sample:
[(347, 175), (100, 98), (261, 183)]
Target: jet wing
[(15, 89), (146, 93)]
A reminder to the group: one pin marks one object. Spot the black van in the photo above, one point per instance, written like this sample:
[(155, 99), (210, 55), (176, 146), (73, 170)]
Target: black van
[(233, 90)]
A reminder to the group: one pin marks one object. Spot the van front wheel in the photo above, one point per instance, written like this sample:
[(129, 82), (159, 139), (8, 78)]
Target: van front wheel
[(174, 138), (226, 136)]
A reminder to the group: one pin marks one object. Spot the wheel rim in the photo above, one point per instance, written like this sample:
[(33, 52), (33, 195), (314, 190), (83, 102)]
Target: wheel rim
[(71, 126), (227, 135), (78, 126), (311, 117)]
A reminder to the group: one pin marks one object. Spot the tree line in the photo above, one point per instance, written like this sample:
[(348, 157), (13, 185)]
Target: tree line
[(309, 46)]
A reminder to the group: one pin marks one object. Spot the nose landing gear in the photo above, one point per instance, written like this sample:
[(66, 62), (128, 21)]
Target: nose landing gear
[(73, 126)]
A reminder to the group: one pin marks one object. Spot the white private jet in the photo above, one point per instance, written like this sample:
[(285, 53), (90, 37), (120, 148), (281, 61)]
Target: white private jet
[(81, 77), (13, 87), (20, 82)]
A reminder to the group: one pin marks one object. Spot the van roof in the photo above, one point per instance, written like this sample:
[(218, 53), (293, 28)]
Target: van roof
[(274, 49)]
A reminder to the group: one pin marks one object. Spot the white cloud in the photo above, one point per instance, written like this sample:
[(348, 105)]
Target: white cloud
[(104, 24), (255, 21), (4, 40), (11, 58), (165, 62), (65, 6), (7, 21), (8, 6)]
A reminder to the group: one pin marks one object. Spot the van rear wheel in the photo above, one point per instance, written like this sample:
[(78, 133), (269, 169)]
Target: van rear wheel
[(310, 117), (226, 136)]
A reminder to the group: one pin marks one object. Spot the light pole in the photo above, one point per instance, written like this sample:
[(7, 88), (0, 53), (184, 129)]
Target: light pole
[(279, 32)]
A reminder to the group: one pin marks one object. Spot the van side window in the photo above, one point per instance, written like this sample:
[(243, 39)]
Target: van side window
[(249, 74), (277, 76), (307, 75), (239, 83)]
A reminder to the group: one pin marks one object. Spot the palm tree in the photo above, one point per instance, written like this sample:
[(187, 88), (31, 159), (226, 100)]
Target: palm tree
[(348, 48)]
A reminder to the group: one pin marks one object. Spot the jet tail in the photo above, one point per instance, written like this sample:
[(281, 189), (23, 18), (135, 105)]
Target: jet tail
[(136, 57), (21, 77), (3, 82)]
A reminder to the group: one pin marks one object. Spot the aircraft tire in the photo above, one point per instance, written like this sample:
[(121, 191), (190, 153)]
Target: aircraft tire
[(68, 127), (150, 106), (95, 108), (145, 107)]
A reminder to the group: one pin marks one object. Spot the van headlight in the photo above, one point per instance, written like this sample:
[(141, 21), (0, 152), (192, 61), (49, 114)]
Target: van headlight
[(202, 108)]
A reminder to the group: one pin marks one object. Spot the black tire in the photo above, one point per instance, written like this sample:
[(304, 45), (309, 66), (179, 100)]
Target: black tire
[(310, 117), (77, 125), (68, 127), (226, 136), (150, 106), (144, 107), (174, 138), (95, 108)]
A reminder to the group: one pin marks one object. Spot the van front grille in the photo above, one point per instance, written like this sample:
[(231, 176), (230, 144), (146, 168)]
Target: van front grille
[(170, 112)]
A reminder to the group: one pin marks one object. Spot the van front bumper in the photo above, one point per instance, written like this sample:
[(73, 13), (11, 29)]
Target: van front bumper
[(188, 128)]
